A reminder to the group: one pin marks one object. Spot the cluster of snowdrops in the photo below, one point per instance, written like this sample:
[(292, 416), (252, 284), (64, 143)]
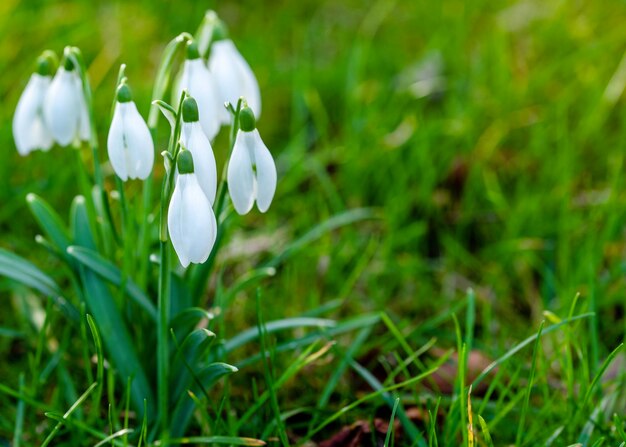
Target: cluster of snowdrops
[(215, 87)]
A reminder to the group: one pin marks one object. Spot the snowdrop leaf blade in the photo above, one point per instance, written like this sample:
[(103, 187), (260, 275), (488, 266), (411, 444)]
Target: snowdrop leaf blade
[(168, 112), (265, 173), (240, 176)]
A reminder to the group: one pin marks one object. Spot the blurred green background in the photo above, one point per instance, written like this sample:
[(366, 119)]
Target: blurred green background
[(488, 135)]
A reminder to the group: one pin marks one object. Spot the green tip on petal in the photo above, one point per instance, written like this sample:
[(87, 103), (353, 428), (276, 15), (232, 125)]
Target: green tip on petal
[(68, 64), (44, 66), (192, 50), (247, 122), (124, 94), (220, 31), (190, 110), (185, 162)]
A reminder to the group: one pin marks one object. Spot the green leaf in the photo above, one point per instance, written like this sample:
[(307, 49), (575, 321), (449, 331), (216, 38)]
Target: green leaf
[(184, 322), (274, 326), (232, 440), (107, 270), (333, 223), (50, 223), (109, 321), (185, 404), (22, 271), (191, 353)]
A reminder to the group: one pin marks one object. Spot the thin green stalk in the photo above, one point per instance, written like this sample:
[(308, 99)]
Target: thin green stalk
[(162, 343)]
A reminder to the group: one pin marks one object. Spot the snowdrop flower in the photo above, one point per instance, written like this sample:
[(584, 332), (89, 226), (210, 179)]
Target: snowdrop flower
[(190, 219), (233, 75), (65, 107), (29, 128), (196, 142), (129, 144), (199, 83), (251, 169)]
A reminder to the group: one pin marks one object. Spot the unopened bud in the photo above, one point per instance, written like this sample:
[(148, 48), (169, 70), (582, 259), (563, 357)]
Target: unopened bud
[(124, 93), (190, 110), (185, 162), (247, 122)]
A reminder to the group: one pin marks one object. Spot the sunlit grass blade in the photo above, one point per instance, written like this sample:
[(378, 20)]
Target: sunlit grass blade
[(529, 387), (485, 430), (275, 326), (511, 352), (390, 427), (113, 436), (333, 223), (232, 440), (67, 414)]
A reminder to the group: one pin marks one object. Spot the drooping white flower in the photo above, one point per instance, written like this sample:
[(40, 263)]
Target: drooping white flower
[(190, 218), (196, 142), (65, 107), (200, 84), (251, 169), (233, 76), (129, 144), (29, 128)]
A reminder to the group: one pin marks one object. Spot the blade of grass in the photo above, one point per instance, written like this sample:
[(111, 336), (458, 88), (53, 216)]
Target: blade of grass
[(511, 352), (390, 427), (529, 387), (67, 414), (107, 270)]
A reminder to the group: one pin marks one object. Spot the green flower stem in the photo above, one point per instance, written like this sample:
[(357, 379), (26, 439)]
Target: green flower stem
[(164, 286), (161, 85)]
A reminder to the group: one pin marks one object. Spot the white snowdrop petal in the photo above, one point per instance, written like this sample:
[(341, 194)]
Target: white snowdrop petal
[(223, 66), (175, 222), (198, 221), (139, 143), (29, 130), (84, 129), (265, 172), (199, 83), (61, 108), (241, 176), (205, 168), (249, 84), (40, 136), (116, 145)]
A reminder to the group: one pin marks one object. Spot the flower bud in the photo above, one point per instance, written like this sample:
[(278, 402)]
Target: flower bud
[(124, 93), (247, 122), (190, 110), (185, 162)]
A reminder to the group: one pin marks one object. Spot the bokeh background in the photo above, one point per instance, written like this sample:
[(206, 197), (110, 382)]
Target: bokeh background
[(488, 136)]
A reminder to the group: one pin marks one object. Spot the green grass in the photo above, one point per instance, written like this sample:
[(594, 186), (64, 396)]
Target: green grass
[(506, 178)]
